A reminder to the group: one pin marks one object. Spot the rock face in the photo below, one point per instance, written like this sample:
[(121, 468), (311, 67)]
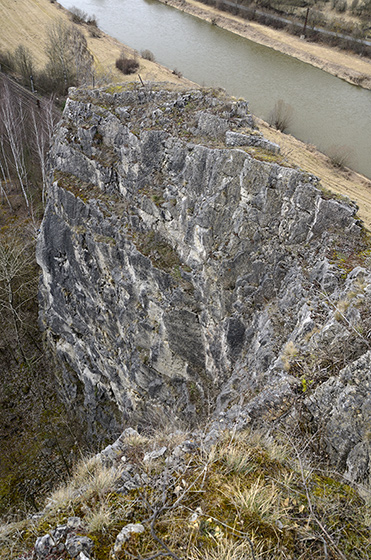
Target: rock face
[(185, 266), (342, 407)]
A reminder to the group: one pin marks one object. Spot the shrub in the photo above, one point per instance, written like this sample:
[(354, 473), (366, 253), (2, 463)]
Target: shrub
[(148, 55), (127, 65), (281, 116), (339, 156), (77, 15), (92, 20)]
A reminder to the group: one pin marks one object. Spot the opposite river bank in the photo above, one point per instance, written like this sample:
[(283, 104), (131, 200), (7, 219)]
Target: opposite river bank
[(350, 67)]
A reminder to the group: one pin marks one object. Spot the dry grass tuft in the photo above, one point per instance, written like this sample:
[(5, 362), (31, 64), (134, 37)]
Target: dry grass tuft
[(260, 501), (100, 519), (249, 497), (224, 549), (289, 355), (91, 480)]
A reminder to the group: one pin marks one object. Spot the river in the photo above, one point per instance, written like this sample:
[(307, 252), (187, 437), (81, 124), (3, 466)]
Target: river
[(327, 111)]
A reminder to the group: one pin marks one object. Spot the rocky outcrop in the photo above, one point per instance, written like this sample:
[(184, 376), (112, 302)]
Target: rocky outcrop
[(185, 266), (341, 407)]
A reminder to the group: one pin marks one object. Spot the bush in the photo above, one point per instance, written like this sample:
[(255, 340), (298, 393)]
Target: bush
[(281, 116), (7, 62), (339, 156), (92, 20), (148, 55), (77, 15), (127, 65)]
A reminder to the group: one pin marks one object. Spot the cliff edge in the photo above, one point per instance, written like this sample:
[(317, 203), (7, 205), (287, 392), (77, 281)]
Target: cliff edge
[(185, 267)]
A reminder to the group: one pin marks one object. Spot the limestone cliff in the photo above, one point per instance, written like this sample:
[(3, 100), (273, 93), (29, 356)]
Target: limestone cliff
[(185, 266)]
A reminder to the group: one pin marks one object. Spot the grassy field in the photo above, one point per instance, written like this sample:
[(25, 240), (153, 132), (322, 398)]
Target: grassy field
[(27, 22)]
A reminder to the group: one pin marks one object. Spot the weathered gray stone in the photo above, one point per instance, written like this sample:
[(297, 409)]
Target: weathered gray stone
[(74, 523), (211, 125), (125, 534), (235, 139), (59, 533), (43, 546), (176, 271), (76, 544), (341, 407), (156, 454), (83, 556)]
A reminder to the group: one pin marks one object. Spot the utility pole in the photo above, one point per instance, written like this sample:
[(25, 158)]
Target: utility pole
[(305, 23)]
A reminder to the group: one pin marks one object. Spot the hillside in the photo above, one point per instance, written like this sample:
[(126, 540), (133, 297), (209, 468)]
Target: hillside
[(27, 22), (198, 289)]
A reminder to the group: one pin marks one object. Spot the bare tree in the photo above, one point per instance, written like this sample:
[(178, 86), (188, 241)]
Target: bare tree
[(13, 134), (4, 171), (24, 62), (70, 62), (43, 122), (17, 283)]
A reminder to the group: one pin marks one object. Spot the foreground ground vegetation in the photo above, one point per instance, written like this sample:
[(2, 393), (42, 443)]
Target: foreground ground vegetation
[(175, 494)]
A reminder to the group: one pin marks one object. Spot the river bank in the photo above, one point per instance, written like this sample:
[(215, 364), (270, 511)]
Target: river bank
[(28, 22), (352, 68)]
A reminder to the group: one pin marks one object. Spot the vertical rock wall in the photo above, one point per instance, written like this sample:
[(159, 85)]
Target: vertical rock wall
[(185, 266)]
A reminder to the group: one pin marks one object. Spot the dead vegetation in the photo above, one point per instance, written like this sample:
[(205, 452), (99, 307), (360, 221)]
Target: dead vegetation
[(249, 496)]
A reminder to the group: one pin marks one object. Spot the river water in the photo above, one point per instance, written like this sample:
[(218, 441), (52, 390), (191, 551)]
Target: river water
[(327, 111)]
